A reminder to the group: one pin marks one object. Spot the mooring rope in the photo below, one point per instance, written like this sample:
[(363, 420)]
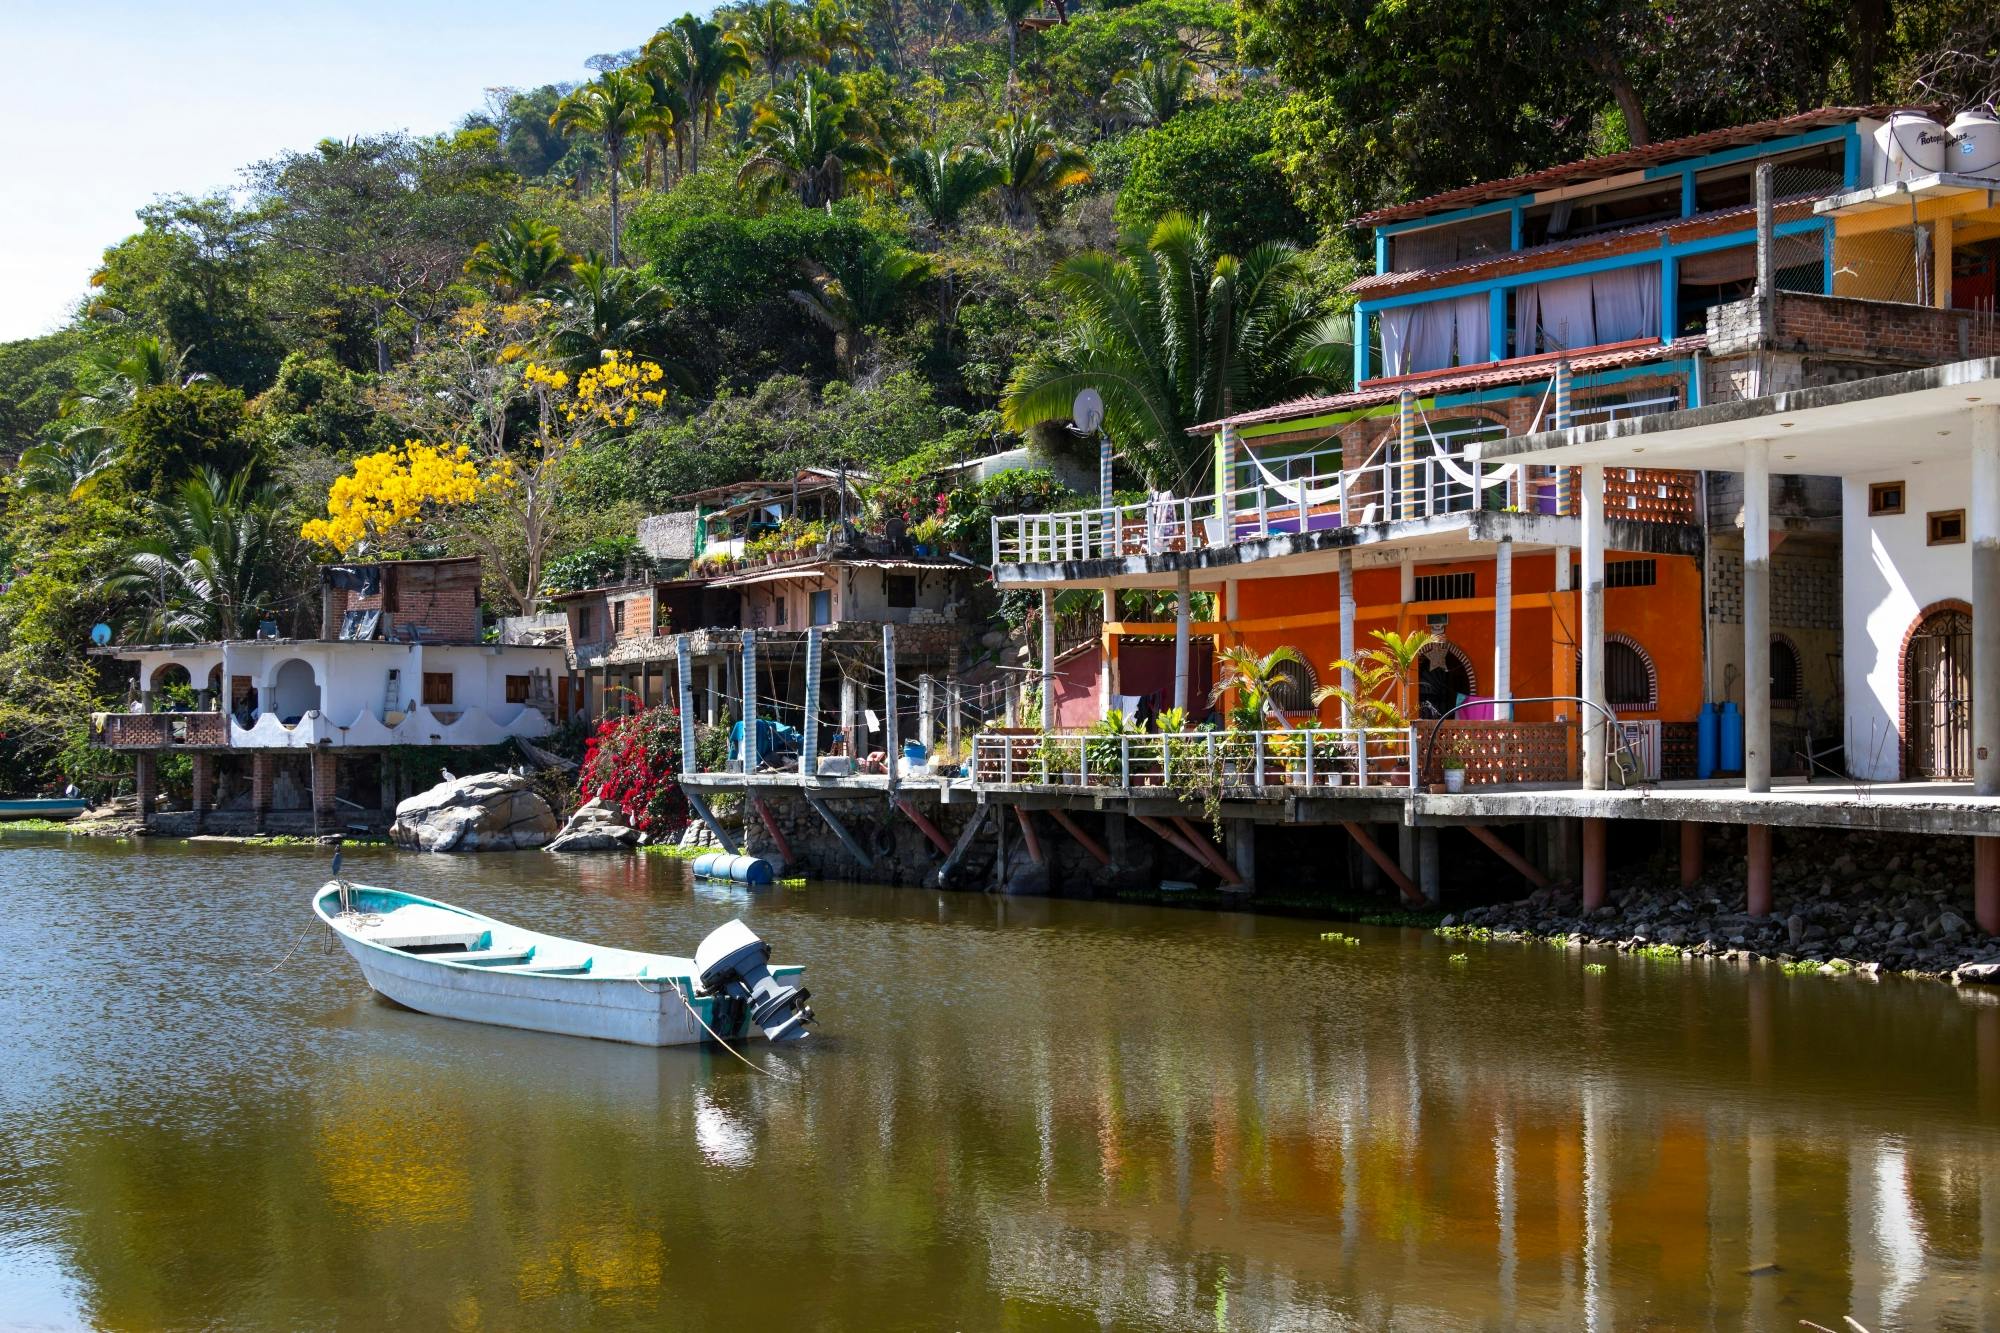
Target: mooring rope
[(772, 1073)]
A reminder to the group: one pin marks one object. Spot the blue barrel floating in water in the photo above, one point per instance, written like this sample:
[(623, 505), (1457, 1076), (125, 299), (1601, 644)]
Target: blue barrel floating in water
[(1707, 742), (1732, 737), (737, 869)]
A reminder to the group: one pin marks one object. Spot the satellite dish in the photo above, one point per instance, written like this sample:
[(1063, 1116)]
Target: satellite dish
[(1087, 411), (100, 634)]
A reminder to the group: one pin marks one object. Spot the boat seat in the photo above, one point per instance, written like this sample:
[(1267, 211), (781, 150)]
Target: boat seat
[(551, 968), (419, 926), (494, 957)]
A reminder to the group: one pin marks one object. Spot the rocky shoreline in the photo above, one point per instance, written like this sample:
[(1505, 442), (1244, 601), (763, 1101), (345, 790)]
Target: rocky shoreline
[(1910, 914)]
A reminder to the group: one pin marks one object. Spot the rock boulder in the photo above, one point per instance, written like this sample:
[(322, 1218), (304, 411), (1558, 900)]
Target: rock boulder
[(487, 812), (597, 826)]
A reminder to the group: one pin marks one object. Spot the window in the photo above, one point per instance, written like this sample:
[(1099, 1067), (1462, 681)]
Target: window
[(1445, 587), (1630, 574), (1292, 687), (822, 608), (777, 610), (586, 621), (437, 687), (1947, 527), (1784, 673), (1885, 497), (901, 590), (1628, 676), (618, 617), (517, 690)]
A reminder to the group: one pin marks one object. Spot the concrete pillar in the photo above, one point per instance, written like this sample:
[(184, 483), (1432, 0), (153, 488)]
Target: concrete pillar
[(1985, 523), (1503, 630), (684, 675), (203, 785), (1757, 616), (1346, 630), (1757, 873), (890, 744), (1045, 672), (1691, 849), (850, 711), (953, 707), (1406, 581), (1592, 718), (926, 713), (1427, 865), (1406, 850), (1404, 503), (1986, 884), (1181, 613), (325, 782), (1594, 891), (146, 781), (749, 694), (809, 728), (1104, 686), (714, 684), (1242, 837), (263, 773)]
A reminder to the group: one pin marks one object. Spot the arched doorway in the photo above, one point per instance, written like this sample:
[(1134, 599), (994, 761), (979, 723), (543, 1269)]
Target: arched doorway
[(294, 692), (1444, 679), (1937, 697)]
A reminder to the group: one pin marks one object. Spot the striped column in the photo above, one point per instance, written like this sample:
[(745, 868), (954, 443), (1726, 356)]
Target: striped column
[(1406, 454), (891, 744), (1565, 502), (685, 668), (749, 701), (809, 746), (1103, 470), (1225, 469)]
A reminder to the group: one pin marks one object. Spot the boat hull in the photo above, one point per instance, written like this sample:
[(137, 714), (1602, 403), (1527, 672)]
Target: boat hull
[(53, 807)]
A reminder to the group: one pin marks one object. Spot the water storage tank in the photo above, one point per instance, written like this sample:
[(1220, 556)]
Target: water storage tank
[(1975, 144), (1731, 738), (1909, 144), (1707, 742)]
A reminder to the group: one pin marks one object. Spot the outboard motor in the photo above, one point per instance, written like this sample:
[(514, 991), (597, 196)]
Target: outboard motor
[(733, 962)]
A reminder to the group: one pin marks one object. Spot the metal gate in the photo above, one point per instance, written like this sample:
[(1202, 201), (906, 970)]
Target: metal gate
[(1937, 698)]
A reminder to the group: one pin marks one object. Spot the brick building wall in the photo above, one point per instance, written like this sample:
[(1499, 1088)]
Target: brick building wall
[(1887, 334), (1805, 590), (438, 597)]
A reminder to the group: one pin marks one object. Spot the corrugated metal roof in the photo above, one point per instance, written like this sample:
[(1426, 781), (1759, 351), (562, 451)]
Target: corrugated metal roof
[(1612, 164), (1523, 371)]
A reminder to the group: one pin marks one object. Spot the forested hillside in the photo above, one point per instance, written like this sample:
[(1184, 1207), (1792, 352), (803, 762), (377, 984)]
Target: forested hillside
[(886, 233)]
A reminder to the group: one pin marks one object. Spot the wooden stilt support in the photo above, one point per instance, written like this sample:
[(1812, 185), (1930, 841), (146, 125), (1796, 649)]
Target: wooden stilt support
[(924, 826), (699, 804), (1758, 872), (839, 830), (1387, 863), (1495, 844), (1593, 864), (1690, 852), (1986, 884), (1083, 839), (966, 836), (1029, 836), (771, 825)]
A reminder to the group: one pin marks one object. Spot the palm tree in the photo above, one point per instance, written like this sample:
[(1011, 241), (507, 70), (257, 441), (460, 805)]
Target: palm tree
[(602, 308), (830, 29), (1035, 164), (1381, 680), (219, 554), (815, 143), (524, 257), (70, 467), (616, 107), (1255, 680), (1155, 90), (700, 57), (946, 181), (771, 31), (1172, 334), (854, 297)]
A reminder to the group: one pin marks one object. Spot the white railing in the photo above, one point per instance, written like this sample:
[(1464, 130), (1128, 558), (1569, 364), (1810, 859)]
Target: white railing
[(1379, 491), (1303, 757)]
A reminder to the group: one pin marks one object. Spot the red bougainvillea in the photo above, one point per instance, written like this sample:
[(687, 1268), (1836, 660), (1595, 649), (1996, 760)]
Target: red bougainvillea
[(633, 763)]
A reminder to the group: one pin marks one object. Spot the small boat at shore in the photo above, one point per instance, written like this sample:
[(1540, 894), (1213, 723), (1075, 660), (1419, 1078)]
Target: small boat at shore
[(445, 960), (43, 807)]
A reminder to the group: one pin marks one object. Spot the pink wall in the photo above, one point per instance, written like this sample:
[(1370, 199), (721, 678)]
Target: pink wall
[(1076, 689)]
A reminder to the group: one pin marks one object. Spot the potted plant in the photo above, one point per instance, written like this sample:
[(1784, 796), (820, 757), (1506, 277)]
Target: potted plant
[(1453, 767)]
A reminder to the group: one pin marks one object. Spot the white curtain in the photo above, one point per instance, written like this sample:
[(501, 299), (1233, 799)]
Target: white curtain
[(1434, 336), (1628, 303), (1559, 313)]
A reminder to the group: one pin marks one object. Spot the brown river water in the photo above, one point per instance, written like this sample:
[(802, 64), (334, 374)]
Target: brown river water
[(1018, 1114)]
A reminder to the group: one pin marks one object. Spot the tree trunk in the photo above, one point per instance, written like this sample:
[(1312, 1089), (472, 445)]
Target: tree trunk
[(1611, 69), (615, 154)]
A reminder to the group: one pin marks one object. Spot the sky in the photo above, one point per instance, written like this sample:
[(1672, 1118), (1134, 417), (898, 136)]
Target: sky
[(104, 105)]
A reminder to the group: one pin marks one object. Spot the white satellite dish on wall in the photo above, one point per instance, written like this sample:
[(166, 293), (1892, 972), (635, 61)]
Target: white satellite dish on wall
[(1087, 412)]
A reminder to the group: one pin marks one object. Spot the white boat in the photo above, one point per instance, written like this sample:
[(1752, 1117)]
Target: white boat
[(445, 960)]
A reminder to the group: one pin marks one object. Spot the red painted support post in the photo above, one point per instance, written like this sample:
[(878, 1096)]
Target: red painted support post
[(1205, 849), (1986, 884), (1593, 864), (1384, 861), (1088, 843), (1029, 836), (1174, 840), (771, 826), (1513, 858), (924, 826), (1758, 872), (1691, 839)]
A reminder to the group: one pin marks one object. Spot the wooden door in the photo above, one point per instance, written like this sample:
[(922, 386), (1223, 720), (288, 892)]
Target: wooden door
[(1937, 698)]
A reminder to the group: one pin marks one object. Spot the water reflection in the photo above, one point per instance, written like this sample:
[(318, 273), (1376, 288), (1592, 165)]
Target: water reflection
[(1023, 1114)]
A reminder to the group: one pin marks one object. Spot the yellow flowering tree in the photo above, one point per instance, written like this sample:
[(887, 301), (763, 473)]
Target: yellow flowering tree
[(517, 422)]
